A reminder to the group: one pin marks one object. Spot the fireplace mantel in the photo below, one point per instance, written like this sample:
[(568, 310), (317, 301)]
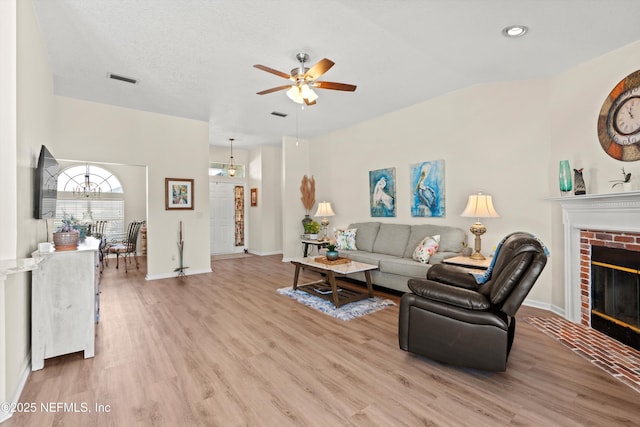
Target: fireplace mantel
[(606, 212)]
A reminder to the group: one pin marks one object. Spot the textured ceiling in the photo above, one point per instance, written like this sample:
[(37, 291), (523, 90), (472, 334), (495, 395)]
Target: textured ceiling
[(194, 58)]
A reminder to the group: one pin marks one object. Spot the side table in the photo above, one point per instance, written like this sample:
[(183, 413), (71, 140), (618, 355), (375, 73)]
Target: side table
[(318, 243), (470, 263)]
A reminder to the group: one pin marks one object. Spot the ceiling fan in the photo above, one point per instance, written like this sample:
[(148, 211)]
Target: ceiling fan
[(304, 79)]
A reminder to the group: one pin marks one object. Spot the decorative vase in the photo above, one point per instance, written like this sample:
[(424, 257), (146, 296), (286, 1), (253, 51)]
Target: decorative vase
[(332, 255), (467, 251), (581, 188), (564, 178), (66, 240)]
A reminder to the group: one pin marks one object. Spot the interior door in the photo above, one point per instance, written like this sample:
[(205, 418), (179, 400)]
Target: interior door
[(222, 221)]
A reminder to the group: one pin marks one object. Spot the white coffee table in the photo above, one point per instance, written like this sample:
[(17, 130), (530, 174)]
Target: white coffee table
[(326, 288)]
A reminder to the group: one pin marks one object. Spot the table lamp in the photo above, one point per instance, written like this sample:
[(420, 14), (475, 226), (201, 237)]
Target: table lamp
[(324, 210), (479, 206)]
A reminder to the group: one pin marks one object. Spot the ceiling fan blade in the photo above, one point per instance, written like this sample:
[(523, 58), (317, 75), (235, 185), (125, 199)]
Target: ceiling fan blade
[(306, 101), (319, 69), (274, 89), (272, 71), (335, 86)]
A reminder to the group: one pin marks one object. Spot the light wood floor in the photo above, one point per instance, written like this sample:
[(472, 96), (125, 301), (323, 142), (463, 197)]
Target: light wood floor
[(224, 349)]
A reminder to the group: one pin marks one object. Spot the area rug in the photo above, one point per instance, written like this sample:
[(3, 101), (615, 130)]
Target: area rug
[(348, 311), (619, 360)]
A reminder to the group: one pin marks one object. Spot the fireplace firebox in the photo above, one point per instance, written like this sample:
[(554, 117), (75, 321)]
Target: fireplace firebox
[(615, 293)]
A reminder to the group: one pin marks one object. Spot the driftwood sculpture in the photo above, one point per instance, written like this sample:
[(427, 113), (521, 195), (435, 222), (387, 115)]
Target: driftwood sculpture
[(308, 190)]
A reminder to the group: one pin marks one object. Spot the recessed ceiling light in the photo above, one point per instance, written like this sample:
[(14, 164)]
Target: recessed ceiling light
[(515, 31)]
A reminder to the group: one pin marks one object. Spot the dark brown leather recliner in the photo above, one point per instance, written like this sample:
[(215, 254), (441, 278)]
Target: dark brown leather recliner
[(448, 317)]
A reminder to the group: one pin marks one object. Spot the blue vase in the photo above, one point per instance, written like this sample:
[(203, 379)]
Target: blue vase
[(564, 178), (332, 255)]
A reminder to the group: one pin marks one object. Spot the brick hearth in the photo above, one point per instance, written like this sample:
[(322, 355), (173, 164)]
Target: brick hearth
[(610, 239)]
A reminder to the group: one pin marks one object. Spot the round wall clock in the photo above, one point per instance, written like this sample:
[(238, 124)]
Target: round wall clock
[(619, 120)]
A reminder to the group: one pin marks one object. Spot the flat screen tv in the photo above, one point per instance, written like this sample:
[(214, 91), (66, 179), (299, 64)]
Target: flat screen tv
[(46, 185)]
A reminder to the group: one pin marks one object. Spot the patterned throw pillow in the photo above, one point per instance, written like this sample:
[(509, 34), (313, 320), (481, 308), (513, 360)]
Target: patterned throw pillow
[(346, 238), (427, 247)]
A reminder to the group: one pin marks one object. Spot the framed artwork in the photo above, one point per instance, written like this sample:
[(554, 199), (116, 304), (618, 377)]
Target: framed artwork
[(178, 193), (254, 197), (382, 192), (427, 189)]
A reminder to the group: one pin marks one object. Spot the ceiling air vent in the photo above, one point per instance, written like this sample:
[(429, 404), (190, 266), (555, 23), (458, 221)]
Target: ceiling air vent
[(122, 78), (276, 113)]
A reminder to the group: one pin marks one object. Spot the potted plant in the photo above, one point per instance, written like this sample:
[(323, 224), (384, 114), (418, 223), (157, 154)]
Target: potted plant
[(625, 181), (66, 238), (332, 254), (311, 229)]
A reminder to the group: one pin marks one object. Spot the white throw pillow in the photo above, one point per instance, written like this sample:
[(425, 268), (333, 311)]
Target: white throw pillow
[(427, 247), (346, 239)]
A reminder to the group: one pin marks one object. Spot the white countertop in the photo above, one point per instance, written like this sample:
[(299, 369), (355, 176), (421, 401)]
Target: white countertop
[(89, 244)]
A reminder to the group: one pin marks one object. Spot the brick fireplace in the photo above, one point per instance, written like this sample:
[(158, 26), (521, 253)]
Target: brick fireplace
[(609, 283), (600, 219), (610, 239)]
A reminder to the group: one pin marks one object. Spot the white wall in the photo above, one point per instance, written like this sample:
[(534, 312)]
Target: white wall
[(265, 220), (26, 116), (8, 84), (170, 147), (296, 163), (8, 176)]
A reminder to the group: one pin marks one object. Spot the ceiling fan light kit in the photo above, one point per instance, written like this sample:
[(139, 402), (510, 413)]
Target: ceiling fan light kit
[(304, 79)]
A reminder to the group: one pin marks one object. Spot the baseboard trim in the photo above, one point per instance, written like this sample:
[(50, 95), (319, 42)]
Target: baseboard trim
[(188, 272), (265, 253), (558, 310), (5, 413), (537, 304), (544, 306)]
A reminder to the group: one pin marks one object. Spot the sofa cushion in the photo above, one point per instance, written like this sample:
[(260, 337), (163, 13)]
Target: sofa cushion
[(404, 267), (346, 239), (426, 248), (451, 238), (392, 239), (366, 257), (366, 234)]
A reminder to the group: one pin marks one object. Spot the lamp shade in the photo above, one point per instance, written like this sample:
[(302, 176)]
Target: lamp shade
[(480, 206), (295, 94), (324, 209), (308, 93)]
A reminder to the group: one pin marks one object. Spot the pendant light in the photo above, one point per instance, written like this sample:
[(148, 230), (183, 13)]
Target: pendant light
[(232, 168)]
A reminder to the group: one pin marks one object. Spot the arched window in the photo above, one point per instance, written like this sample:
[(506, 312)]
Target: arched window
[(75, 178), (89, 193)]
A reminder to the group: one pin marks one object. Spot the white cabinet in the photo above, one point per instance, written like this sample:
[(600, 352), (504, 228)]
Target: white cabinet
[(65, 304)]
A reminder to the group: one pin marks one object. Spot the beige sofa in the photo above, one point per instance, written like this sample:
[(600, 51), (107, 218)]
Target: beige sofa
[(391, 246)]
